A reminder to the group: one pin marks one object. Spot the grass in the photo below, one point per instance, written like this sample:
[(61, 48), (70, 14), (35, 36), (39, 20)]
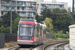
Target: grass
[(10, 44), (50, 40)]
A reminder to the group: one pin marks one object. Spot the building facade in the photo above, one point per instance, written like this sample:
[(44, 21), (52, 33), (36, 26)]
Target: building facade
[(51, 5), (28, 8), (23, 7)]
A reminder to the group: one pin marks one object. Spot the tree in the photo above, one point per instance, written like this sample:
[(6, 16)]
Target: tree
[(6, 18), (69, 9), (39, 18), (63, 11), (0, 21), (57, 10), (61, 21), (4, 30), (61, 18), (15, 25), (46, 13), (48, 22)]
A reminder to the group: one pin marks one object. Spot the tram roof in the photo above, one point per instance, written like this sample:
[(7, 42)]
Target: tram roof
[(27, 20)]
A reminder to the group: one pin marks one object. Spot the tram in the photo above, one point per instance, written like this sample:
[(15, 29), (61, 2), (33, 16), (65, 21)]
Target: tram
[(30, 32)]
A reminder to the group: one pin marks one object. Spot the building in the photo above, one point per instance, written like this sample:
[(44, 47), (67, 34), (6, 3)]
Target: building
[(25, 8), (29, 8), (51, 5)]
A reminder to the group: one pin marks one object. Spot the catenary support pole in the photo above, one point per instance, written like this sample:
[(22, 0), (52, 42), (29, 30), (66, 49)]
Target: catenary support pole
[(73, 12), (11, 19)]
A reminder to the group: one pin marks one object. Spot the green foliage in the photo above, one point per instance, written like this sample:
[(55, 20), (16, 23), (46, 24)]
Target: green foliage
[(48, 22), (61, 21), (6, 18), (57, 10), (15, 25), (39, 18), (44, 31), (7, 30), (60, 35), (69, 9), (46, 13), (5, 22), (4, 30), (0, 23), (63, 11)]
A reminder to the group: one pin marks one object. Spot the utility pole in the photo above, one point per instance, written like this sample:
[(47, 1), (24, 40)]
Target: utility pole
[(0, 8), (73, 12), (11, 19)]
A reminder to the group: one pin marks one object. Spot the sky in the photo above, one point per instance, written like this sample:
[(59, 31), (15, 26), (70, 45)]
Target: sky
[(68, 1)]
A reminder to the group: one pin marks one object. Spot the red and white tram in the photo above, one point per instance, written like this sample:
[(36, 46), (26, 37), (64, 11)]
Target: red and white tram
[(30, 32)]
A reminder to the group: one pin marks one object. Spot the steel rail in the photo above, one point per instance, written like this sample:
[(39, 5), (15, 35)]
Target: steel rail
[(44, 48), (59, 45)]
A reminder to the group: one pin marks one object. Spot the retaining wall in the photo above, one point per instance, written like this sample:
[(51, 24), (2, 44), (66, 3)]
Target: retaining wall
[(72, 37)]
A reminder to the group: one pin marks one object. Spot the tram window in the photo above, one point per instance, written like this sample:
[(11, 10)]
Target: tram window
[(26, 31), (22, 31)]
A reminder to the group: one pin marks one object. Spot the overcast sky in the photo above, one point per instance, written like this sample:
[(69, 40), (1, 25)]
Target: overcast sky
[(68, 1)]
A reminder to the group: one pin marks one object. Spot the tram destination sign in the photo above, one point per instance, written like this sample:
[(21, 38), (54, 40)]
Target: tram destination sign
[(26, 25)]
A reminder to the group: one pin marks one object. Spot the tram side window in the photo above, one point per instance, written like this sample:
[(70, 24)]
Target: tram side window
[(37, 31), (17, 33), (40, 31), (44, 31)]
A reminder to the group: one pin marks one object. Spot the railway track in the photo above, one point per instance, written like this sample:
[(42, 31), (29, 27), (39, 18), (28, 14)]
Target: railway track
[(25, 49), (14, 48), (57, 45), (20, 48), (60, 46)]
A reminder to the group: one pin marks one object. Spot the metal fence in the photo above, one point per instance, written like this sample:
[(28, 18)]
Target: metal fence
[(10, 37), (7, 37), (49, 36)]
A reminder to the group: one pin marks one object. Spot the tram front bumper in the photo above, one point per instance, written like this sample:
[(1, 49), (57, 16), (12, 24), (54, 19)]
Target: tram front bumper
[(25, 42)]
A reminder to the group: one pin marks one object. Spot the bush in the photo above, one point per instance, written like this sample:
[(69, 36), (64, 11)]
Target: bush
[(59, 35), (4, 30)]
